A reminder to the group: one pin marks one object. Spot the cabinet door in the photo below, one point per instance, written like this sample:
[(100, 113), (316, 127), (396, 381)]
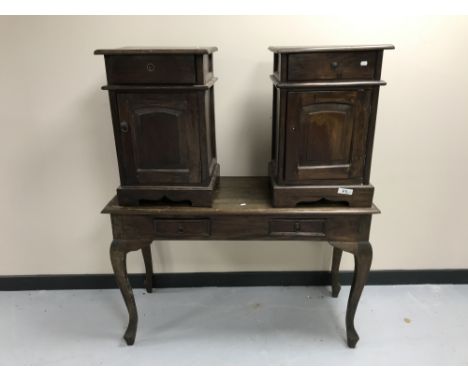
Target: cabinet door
[(160, 139), (326, 134)]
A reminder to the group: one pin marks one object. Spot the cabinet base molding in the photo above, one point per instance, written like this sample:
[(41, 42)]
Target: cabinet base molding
[(290, 196), (198, 196)]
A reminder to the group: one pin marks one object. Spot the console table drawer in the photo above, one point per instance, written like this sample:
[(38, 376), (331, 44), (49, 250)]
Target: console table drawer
[(297, 227), (151, 69), (331, 66), (182, 227)]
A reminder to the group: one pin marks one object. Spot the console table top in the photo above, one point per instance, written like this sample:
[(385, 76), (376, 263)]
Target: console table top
[(238, 195)]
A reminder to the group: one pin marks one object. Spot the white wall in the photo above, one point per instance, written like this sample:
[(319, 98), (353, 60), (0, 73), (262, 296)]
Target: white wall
[(57, 156)]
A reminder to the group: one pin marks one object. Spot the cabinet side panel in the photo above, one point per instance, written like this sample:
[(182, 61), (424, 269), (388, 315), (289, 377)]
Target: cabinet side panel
[(281, 110), (274, 128), (212, 125), (125, 150), (204, 122), (372, 121), (124, 179)]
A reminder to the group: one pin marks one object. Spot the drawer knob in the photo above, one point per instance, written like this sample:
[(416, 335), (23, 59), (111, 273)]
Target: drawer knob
[(334, 64), (297, 227), (150, 67), (180, 229), (124, 127)]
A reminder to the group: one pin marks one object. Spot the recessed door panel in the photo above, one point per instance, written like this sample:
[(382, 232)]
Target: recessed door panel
[(160, 138), (325, 135)]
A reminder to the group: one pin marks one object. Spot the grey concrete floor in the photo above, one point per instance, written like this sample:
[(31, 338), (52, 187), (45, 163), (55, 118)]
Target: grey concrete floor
[(398, 325)]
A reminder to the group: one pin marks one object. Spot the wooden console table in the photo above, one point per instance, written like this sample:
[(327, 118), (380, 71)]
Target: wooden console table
[(241, 210)]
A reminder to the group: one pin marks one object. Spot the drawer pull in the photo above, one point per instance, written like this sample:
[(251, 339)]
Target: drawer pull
[(124, 127), (150, 67), (334, 64), (180, 229), (297, 227)]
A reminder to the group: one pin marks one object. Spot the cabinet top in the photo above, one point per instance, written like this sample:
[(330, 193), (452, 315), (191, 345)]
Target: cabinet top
[(330, 48), (157, 50)]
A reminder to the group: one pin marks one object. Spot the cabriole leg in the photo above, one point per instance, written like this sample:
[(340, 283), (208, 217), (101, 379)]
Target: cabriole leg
[(118, 255), (335, 272), (362, 252), (146, 250)]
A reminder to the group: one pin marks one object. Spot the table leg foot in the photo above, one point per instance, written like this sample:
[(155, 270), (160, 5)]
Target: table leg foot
[(352, 338), (130, 333), (362, 252)]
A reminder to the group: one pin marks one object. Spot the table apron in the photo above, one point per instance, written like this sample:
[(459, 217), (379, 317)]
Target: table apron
[(281, 227)]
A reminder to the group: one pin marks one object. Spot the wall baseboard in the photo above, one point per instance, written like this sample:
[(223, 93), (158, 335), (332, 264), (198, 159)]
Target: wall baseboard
[(225, 279)]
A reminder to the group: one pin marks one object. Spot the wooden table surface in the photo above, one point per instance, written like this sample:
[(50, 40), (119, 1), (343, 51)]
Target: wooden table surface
[(239, 195)]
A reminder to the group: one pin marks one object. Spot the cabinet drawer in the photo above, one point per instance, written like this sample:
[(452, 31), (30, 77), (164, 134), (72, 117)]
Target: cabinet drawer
[(182, 227), (151, 69), (331, 66), (297, 227)]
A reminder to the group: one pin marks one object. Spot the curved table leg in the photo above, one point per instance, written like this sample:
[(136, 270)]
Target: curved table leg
[(335, 272), (362, 252), (146, 250), (118, 255)]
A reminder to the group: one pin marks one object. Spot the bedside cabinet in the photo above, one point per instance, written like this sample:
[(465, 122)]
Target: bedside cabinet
[(324, 111), (162, 105)]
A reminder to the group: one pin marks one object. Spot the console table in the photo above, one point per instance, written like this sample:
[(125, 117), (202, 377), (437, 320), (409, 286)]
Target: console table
[(241, 210)]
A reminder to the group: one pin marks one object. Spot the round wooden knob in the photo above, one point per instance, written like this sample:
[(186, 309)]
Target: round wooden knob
[(123, 126)]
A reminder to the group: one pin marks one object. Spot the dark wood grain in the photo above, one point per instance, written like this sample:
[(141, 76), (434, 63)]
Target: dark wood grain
[(326, 136), (372, 120), (241, 211), (182, 227), (194, 195), (130, 50), (330, 48), (335, 271), (161, 143), (287, 195), (151, 69), (362, 252), (332, 66), (238, 196), (146, 251), (323, 84), (168, 88), (164, 127), (324, 114), (118, 255)]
